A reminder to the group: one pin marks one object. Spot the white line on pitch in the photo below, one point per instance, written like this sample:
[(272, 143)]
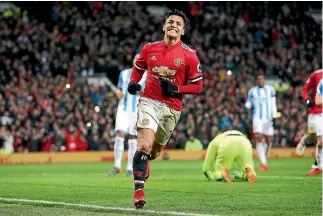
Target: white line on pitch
[(101, 207), (291, 177)]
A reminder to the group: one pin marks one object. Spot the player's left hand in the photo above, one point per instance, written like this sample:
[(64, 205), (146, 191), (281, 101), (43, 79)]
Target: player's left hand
[(168, 88), (134, 87), (310, 102)]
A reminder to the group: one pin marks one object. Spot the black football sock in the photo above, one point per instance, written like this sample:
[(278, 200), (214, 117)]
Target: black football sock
[(315, 162), (140, 161)]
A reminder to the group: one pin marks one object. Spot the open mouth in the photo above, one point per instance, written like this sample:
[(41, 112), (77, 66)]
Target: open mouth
[(169, 30)]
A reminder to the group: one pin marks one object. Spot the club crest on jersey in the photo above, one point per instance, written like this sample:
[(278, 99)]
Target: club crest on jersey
[(145, 122), (163, 71), (178, 62)]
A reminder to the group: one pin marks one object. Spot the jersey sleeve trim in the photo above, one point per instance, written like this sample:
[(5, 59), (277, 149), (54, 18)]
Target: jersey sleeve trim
[(139, 68), (196, 79)]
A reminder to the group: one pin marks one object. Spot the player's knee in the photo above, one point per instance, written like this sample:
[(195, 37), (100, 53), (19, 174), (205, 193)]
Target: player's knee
[(268, 139), (259, 137), (218, 176), (144, 145), (121, 134), (156, 150), (145, 140)]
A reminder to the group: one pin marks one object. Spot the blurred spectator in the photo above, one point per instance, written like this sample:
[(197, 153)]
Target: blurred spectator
[(193, 144), (6, 141), (39, 57)]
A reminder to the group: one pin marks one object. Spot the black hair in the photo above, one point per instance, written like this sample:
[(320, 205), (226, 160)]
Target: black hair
[(177, 13)]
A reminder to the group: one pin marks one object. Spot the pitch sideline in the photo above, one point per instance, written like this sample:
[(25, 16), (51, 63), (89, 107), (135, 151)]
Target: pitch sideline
[(121, 209)]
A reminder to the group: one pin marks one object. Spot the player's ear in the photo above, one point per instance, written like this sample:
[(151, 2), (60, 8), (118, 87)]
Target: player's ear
[(163, 28), (183, 32)]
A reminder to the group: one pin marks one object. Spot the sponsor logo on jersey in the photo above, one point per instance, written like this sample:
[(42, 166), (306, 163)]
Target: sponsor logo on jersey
[(163, 71)]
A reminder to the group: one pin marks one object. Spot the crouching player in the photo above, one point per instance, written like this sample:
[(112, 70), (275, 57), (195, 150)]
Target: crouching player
[(224, 150)]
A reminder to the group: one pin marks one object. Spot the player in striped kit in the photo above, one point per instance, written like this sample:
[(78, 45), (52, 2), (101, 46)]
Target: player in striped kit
[(319, 94), (262, 102), (125, 121), (315, 118)]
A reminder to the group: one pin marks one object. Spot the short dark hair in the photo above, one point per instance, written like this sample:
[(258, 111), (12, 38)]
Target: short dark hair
[(260, 74), (177, 13)]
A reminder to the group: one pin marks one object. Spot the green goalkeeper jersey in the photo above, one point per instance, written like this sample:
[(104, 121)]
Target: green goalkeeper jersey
[(215, 143), (225, 149)]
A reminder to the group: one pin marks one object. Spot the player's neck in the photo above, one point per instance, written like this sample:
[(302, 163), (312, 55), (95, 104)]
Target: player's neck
[(171, 41)]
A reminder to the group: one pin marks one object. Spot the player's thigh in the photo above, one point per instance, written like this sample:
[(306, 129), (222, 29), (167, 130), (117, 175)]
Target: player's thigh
[(132, 123), (257, 126), (268, 129), (169, 120), (122, 123), (225, 158), (244, 158), (315, 123), (148, 116)]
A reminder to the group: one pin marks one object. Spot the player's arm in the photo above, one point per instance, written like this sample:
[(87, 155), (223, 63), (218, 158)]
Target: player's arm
[(138, 70), (319, 94), (210, 158), (305, 91), (195, 76), (119, 92), (248, 104), (273, 102)]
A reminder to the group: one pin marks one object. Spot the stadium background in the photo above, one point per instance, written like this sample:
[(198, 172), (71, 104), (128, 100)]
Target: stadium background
[(41, 51)]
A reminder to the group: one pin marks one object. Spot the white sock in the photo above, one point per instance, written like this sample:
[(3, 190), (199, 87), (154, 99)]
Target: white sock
[(118, 151), (260, 147), (319, 157), (131, 152)]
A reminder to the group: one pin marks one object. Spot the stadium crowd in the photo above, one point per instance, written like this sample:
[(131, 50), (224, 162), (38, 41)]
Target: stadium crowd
[(40, 112)]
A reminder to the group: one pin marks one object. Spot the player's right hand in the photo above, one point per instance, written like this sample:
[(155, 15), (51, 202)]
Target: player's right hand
[(310, 103), (133, 88)]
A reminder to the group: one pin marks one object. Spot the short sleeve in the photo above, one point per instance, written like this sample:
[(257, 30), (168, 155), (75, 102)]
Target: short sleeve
[(141, 63), (194, 69)]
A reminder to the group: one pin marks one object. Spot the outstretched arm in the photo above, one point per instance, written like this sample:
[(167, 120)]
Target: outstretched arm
[(209, 160)]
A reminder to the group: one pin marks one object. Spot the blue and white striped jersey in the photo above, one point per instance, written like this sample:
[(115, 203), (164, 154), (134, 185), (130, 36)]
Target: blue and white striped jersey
[(262, 101), (129, 102), (319, 90)]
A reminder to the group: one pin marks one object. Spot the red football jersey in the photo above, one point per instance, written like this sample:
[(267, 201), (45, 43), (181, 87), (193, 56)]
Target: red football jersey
[(312, 83), (178, 63)]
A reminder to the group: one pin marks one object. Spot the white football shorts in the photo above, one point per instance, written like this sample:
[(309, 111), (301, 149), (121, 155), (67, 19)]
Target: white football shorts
[(315, 123), (159, 117), (264, 127), (126, 122)]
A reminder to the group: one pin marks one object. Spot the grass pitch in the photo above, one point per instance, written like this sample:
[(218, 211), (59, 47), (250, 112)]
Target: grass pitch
[(174, 186)]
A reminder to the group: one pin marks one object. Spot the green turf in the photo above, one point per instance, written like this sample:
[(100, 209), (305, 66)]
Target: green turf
[(174, 186)]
